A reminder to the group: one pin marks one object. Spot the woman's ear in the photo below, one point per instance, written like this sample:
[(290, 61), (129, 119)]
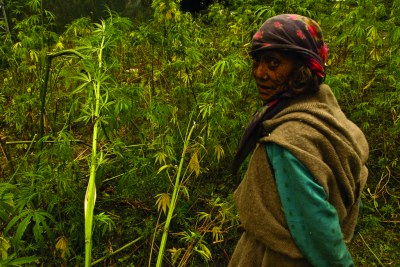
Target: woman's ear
[(303, 80)]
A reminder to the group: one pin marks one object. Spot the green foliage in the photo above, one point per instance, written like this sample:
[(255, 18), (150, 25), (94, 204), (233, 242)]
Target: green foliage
[(12, 260), (7, 204), (25, 218), (137, 84)]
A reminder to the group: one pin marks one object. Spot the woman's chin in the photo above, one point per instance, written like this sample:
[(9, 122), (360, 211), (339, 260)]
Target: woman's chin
[(264, 98)]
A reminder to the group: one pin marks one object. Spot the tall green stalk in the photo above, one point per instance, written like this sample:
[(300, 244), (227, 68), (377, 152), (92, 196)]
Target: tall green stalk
[(90, 197), (174, 198)]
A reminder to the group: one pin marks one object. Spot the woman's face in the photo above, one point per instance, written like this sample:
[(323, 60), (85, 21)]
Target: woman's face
[(271, 70)]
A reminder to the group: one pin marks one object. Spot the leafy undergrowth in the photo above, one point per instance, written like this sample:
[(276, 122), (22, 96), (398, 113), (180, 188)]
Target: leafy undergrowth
[(378, 240)]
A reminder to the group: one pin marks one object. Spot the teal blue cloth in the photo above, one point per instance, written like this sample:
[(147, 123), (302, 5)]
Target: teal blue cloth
[(313, 222)]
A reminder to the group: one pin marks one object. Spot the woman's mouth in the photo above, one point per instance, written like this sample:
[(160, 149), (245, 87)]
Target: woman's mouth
[(264, 87)]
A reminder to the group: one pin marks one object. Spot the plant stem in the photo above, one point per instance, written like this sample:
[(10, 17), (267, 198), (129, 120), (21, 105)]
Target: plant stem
[(373, 253), (47, 142), (43, 90), (90, 197), (174, 199), (12, 179), (115, 252)]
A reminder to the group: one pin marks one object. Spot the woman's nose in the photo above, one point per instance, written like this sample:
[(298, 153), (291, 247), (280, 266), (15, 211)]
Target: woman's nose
[(261, 71)]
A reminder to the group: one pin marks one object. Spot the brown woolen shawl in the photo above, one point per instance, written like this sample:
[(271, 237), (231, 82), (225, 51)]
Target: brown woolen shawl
[(334, 150)]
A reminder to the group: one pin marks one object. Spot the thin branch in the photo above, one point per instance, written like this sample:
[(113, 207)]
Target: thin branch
[(28, 142), (115, 252), (376, 257)]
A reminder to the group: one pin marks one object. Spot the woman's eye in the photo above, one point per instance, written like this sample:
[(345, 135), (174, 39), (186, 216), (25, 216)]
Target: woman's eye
[(273, 63)]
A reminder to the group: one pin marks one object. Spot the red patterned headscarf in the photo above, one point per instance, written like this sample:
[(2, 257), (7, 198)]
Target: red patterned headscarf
[(293, 33), (287, 32)]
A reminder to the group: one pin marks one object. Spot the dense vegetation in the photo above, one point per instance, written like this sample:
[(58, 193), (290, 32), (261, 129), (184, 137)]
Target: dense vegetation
[(138, 121)]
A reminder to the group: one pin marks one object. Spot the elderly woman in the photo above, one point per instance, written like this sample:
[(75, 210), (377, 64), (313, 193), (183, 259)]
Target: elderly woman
[(299, 200)]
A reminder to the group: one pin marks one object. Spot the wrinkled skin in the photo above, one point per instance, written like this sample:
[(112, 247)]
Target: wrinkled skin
[(271, 71)]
